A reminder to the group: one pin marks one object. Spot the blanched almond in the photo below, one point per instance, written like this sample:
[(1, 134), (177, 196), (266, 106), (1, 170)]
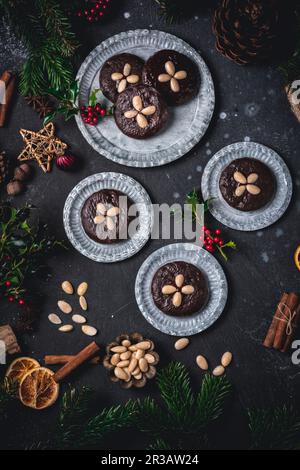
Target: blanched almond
[(139, 353), (137, 103), (179, 280), (177, 299), (126, 343), (226, 359), (170, 67), (64, 306), (120, 373), (142, 121), (101, 209), (136, 371), (116, 76), (133, 79), (78, 319), (252, 178), (202, 362), (180, 75), (164, 77), (143, 345), (83, 302), (89, 330), (53, 318), (143, 364), (132, 348), (123, 364), (187, 290), (113, 211), (115, 359), (126, 69), (99, 219), (132, 113), (66, 328), (175, 85), (132, 365), (122, 85), (118, 349), (252, 189), (218, 371), (239, 177), (138, 376), (149, 110), (82, 288), (125, 355), (240, 190), (67, 287), (168, 290), (110, 224), (149, 358), (181, 343)]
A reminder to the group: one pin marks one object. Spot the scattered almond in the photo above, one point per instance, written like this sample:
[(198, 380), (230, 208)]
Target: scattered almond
[(218, 371), (226, 359), (202, 362), (181, 343), (67, 287), (64, 306), (78, 319), (53, 318), (83, 303), (82, 288), (66, 328), (89, 330)]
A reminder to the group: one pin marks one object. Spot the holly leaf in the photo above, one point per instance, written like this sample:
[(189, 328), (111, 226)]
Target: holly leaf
[(93, 97)]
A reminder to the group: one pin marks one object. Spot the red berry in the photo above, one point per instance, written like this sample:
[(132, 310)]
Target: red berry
[(204, 228), (21, 302), (11, 299), (98, 108), (216, 239), (95, 120), (218, 232), (103, 112), (207, 232), (221, 242), (7, 283)]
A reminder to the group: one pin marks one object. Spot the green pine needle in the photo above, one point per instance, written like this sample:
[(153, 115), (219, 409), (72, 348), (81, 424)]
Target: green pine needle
[(211, 399), (277, 428)]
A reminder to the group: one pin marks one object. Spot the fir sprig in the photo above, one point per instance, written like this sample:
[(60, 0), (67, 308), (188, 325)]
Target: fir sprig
[(273, 429), (46, 32), (174, 11)]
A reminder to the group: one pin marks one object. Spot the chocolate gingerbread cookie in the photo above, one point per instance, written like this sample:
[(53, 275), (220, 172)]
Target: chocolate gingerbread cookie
[(104, 216), (179, 288), (140, 112), (173, 74), (247, 184), (118, 73)]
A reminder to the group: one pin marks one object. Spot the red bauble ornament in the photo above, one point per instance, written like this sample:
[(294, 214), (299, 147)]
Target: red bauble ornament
[(65, 162)]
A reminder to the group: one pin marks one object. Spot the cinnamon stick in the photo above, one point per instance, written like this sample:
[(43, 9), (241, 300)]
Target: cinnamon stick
[(290, 337), (63, 359), (9, 82), (84, 355), (269, 341), (8, 337), (286, 308)]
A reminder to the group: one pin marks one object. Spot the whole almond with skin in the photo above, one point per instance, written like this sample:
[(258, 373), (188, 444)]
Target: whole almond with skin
[(83, 303), (120, 373), (118, 349), (123, 364), (149, 358), (66, 328), (226, 359), (78, 319), (143, 364), (115, 359), (143, 345), (67, 287), (181, 343), (89, 330), (202, 362), (126, 355), (64, 306), (53, 318), (132, 365), (218, 371), (82, 288)]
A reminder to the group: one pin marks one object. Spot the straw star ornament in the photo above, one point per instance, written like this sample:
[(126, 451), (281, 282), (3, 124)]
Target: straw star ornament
[(42, 146)]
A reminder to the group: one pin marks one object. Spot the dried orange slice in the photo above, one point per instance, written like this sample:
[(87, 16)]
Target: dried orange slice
[(19, 367), (297, 257), (38, 389)]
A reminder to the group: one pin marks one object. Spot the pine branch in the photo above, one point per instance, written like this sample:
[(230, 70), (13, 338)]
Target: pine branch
[(277, 428), (159, 444), (107, 421), (150, 418), (210, 400), (174, 385), (7, 395)]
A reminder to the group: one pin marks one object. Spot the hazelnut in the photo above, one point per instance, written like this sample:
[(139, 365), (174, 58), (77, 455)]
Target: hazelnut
[(22, 172), (14, 187)]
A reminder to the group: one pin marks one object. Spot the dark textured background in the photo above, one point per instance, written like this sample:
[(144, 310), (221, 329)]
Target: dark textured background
[(250, 104)]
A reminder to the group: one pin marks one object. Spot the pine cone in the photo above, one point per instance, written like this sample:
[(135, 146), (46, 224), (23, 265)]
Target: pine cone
[(4, 170), (246, 30)]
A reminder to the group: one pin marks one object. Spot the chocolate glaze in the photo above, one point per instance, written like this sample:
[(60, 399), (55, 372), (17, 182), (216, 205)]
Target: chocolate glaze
[(192, 276), (155, 66), (116, 64), (110, 198), (247, 202), (149, 97)]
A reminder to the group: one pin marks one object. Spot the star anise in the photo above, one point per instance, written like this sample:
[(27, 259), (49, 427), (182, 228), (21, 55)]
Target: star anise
[(41, 104)]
